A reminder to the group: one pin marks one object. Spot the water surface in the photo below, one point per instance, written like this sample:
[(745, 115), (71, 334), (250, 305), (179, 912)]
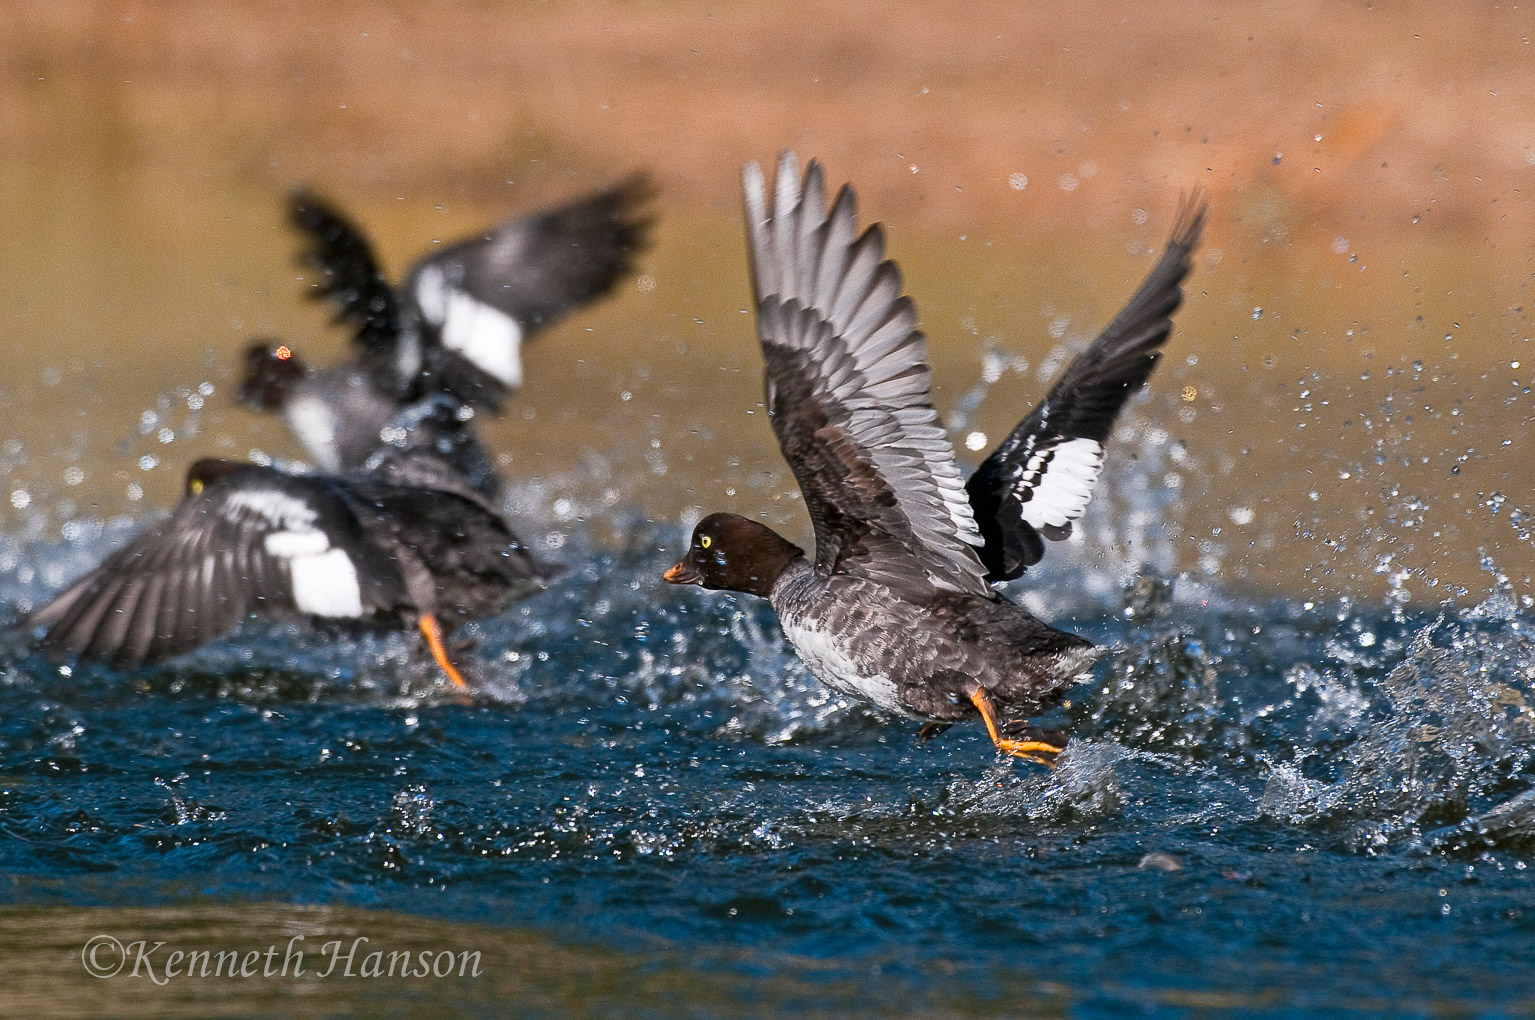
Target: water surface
[(1299, 784)]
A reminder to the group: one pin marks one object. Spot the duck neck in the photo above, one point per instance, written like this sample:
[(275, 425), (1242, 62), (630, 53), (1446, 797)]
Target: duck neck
[(797, 573), (772, 558)]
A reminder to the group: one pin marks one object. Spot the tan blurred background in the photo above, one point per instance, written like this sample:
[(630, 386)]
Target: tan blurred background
[(1346, 394)]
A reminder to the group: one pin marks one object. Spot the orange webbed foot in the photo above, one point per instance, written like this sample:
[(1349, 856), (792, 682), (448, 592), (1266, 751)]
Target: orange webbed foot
[(432, 631), (1029, 750)]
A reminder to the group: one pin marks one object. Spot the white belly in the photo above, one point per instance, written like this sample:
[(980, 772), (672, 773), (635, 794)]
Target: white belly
[(827, 658), (313, 421)]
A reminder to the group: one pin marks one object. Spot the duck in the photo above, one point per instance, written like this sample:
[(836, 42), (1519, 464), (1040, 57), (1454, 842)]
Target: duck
[(898, 606), (448, 339), (346, 422), (407, 544)]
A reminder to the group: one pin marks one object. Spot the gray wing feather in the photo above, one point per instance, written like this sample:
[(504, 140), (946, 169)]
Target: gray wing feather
[(176, 585), (193, 576), (849, 389)]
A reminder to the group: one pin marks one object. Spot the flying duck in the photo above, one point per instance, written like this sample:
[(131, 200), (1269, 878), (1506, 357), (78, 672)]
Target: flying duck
[(454, 328), (897, 607), (407, 544)]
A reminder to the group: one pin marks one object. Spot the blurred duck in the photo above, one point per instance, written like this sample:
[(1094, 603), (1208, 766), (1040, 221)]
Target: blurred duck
[(406, 545), (897, 606), (450, 335), (344, 420)]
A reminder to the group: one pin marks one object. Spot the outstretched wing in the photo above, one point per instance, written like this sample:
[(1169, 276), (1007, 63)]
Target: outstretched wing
[(1041, 478), (248, 542), (479, 299), (849, 391), (350, 276)]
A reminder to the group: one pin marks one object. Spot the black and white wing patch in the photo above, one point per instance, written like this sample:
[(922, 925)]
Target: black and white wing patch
[(251, 540), (1059, 477), (1041, 478), (849, 391), (482, 297), (485, 336)]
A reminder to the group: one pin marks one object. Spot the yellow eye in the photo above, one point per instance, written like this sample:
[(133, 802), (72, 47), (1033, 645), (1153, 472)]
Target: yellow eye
[(705, 541), (195, 486)]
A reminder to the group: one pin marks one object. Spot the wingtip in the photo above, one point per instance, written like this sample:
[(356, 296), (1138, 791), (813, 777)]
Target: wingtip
[(1189, 222), (754, 187), (788, 165), (813, 188), (636, 187), (307, 206), (30, 621), (635, 215), (786, 192), (301, 193)]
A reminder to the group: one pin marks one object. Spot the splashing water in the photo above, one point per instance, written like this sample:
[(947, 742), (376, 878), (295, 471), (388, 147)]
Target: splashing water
[(1310, 791)]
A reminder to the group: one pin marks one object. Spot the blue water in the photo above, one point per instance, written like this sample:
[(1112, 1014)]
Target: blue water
[(1268, 807)]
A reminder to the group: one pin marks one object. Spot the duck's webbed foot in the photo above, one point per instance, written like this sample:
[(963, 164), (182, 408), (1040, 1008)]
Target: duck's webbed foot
[(1025, 747), (1022, 729), (930, 730), (432, 631)]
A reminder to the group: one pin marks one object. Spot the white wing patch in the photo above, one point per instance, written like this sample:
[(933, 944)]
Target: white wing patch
[(324, 578), (1057, 483), (487, 336), (287, 545), (432, 294), (325, 584), (278, 508)]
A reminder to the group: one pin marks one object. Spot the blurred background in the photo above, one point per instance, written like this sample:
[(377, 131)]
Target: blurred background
[(1344, 408)]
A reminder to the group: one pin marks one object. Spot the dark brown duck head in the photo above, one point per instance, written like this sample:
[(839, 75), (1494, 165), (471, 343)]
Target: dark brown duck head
[(731, 553), (208, 470), (271, 372)]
